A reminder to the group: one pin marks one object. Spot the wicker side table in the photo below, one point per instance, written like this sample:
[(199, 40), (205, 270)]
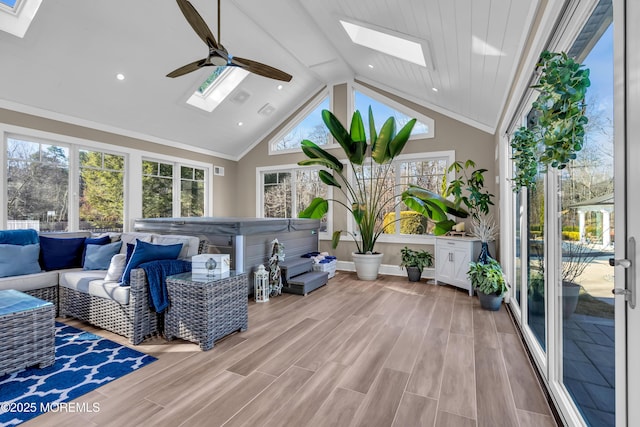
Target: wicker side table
[(205, 309), (27, 331)]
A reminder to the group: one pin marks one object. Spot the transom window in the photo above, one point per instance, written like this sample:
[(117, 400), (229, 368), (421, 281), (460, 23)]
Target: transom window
[(382, 110), (308, 125)]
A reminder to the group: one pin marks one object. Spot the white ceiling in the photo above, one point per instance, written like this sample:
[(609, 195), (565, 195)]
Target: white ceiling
[(66, 64)]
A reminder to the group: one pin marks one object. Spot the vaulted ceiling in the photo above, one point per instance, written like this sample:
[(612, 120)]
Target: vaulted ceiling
[(65, 66)]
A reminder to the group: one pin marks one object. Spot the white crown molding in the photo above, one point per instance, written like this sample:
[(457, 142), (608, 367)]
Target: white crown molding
[(40, 112)]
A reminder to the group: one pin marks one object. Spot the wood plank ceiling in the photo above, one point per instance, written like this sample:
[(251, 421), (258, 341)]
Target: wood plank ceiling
[(65, 66)]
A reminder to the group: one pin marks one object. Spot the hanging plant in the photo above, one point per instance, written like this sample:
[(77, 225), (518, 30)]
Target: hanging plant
[(559, 132), (525, 157)]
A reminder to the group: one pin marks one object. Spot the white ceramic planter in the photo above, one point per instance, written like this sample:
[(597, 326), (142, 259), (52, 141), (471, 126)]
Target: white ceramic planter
[(367, 265)]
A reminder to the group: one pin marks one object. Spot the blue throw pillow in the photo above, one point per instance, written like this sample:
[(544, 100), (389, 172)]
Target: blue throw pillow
[(144, 252), (16, 260), (94, 241), (19, 237), (98, 257), (57, 254)]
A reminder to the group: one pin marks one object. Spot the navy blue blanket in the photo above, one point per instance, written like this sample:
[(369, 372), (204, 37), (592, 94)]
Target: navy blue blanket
[(157, 272)]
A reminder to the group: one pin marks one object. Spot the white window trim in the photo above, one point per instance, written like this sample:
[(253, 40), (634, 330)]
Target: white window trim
[(132, 173), (16, 20), (260, 171), (355, 86), (176, 180), (298, 118), (449, 155)]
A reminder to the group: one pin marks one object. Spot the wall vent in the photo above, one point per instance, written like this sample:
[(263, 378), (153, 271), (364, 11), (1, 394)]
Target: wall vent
[(267, 109), (218, 170)]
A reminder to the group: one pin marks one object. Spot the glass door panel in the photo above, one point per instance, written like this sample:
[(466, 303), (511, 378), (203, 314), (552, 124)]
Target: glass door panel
[(536, 281), (586, 201)]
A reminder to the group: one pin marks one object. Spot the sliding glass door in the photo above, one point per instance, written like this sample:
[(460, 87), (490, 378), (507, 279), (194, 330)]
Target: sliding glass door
[(566, 233), (627, 151)]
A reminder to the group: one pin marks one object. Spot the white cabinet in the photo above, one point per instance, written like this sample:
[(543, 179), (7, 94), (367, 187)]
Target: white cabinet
[(453, 255)]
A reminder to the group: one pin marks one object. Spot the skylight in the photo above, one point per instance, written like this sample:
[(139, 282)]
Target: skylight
[(16, 15), (10, 3), (385, 42), (217, 87)]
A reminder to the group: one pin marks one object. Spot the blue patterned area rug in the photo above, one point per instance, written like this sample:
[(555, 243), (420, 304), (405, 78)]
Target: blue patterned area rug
[(84, 362)]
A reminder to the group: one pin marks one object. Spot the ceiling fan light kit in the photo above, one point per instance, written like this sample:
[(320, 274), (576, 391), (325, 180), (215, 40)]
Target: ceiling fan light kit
[(218, 55)]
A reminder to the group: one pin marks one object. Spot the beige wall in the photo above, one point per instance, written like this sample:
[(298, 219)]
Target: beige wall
[(224, 202), (467, 141)]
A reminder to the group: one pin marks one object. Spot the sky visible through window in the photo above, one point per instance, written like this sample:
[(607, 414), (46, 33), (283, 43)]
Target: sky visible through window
[(311, 128), (382, 112), (10, 3), (600, 94)]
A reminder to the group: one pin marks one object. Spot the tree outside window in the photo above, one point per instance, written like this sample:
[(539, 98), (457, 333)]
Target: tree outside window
[(157, 189), (287, 192), (37, 185), (101, 191)]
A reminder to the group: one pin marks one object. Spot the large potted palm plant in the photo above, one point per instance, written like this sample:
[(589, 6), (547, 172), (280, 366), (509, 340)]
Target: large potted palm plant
[(368, 193)]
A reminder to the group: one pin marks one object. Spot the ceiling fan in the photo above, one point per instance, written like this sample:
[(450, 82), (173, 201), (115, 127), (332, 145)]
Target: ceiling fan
[(218, 55)]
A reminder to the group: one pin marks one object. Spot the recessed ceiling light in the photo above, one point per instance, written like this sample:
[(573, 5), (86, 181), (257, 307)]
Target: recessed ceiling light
[(382, 40), (370, 65), (120, 76), (435, 89), (240, 123), (279, 87)]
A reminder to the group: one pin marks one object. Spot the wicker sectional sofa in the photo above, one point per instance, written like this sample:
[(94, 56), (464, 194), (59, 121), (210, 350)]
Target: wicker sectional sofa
[(85, 295)]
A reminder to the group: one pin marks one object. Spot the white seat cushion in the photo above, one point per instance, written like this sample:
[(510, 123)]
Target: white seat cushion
[(93, 283), (29, 282)]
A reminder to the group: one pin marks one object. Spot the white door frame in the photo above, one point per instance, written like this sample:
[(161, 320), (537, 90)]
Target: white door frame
[(627, 132)]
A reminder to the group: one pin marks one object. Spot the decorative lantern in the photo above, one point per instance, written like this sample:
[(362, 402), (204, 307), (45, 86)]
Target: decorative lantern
[(261, 284)]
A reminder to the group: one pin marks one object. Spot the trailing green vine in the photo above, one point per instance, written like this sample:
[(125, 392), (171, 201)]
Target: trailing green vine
[(525, 157), (559, 133)]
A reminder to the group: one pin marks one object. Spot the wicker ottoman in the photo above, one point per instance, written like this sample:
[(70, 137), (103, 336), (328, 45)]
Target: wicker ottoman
[(203, 310), (27, 331)]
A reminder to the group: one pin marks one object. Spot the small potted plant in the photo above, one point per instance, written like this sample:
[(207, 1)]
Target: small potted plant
[(415, 261), (487, 279)]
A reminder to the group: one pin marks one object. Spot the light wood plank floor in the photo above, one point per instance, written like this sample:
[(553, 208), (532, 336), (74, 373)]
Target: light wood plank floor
[(352, 353)]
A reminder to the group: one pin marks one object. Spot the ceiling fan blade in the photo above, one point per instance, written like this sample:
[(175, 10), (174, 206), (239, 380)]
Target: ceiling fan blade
[(260, 69), (197, 23), (188, 68)]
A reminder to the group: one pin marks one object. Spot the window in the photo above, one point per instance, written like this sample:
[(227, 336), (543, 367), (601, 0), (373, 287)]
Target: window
[(37, 185), (382, 40), (157, 189), (309, 126), (101, 191), (382, 110), (165, 195), (427, 171), (65, 184), (287, 191), (16, 15), (191, 191), (213, 91)]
